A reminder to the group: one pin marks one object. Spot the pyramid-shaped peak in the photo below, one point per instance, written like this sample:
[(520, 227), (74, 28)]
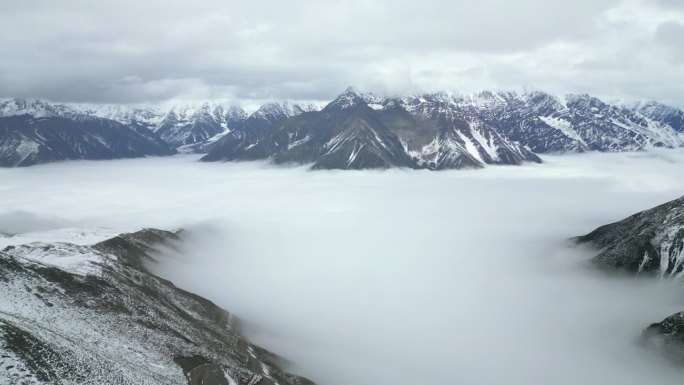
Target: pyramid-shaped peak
[(350, 90), (348, 99)]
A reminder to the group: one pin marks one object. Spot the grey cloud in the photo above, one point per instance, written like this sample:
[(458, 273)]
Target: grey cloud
[(671, 4), (133, 51), (670, 34)]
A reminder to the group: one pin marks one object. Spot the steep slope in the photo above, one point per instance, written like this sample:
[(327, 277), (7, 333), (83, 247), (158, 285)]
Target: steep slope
[(35, 108), (530, 119), (650, 242), (453, 137), (436, 131), (186, 126), (25, 140), (611, 128), (250, 141), (346, 134), (357, 131), (181, 124), (545, 124), (662, 113), (77, 313)]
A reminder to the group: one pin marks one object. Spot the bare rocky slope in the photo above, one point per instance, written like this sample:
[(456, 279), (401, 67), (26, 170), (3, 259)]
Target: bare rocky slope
[(648, 243)]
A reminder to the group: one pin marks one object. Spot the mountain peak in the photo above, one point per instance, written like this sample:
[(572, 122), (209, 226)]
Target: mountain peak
[(33, 107), (285, 109), (348, 99)]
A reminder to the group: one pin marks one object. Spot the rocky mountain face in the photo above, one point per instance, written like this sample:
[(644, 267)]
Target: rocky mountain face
[(183, 127), (662, 113), (648, 243), (453, 137), (442, 131), (544, 123), (186, 126), (26, 140), (667, 337), (250, 141), (81, 308), (357, 131), (179, 124), (433, 131)]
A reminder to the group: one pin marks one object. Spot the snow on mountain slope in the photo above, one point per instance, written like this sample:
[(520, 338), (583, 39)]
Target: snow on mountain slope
[(76, 236), (650, 242), (178, 123), (662, 113), (521, 118), (457, 134), (356, 137), (277, 111), (366, 131), (25, 140), (437, 130), (183, 125), (92, 314), (36, 108), (252, 140), (611, 128), (580, 123)]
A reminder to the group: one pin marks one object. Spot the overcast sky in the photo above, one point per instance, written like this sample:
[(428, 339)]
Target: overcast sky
[(137, 50)]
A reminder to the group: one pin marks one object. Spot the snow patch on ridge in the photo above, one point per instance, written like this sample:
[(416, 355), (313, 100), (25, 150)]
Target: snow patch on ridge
[(76, 236), (563, 126), (71, 258), (61, 248)]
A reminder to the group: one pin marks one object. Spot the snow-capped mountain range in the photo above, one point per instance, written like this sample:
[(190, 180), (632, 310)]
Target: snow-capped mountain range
[(360, 130)]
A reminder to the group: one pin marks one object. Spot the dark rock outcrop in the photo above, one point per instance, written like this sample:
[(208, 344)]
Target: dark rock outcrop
[(667, 337), (650, 242)]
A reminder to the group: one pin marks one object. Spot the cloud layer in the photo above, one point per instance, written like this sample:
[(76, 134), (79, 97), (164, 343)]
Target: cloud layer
[(133, 51), (399, 276)]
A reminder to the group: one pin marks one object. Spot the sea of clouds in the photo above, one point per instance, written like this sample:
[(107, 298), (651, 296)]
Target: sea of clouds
[(397, 276)]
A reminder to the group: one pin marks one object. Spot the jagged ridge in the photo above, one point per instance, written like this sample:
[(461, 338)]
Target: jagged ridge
[(436, 130)]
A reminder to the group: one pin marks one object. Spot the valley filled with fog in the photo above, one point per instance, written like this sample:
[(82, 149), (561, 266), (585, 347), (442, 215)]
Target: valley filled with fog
[(397, 276)]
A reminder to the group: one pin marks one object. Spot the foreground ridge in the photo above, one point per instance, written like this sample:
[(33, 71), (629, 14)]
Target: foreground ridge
[(74, 314), (648, 243)]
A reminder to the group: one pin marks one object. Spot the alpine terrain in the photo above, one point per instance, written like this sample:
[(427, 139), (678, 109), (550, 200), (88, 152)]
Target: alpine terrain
[(78, 306), (648, 243), (434, 131)]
